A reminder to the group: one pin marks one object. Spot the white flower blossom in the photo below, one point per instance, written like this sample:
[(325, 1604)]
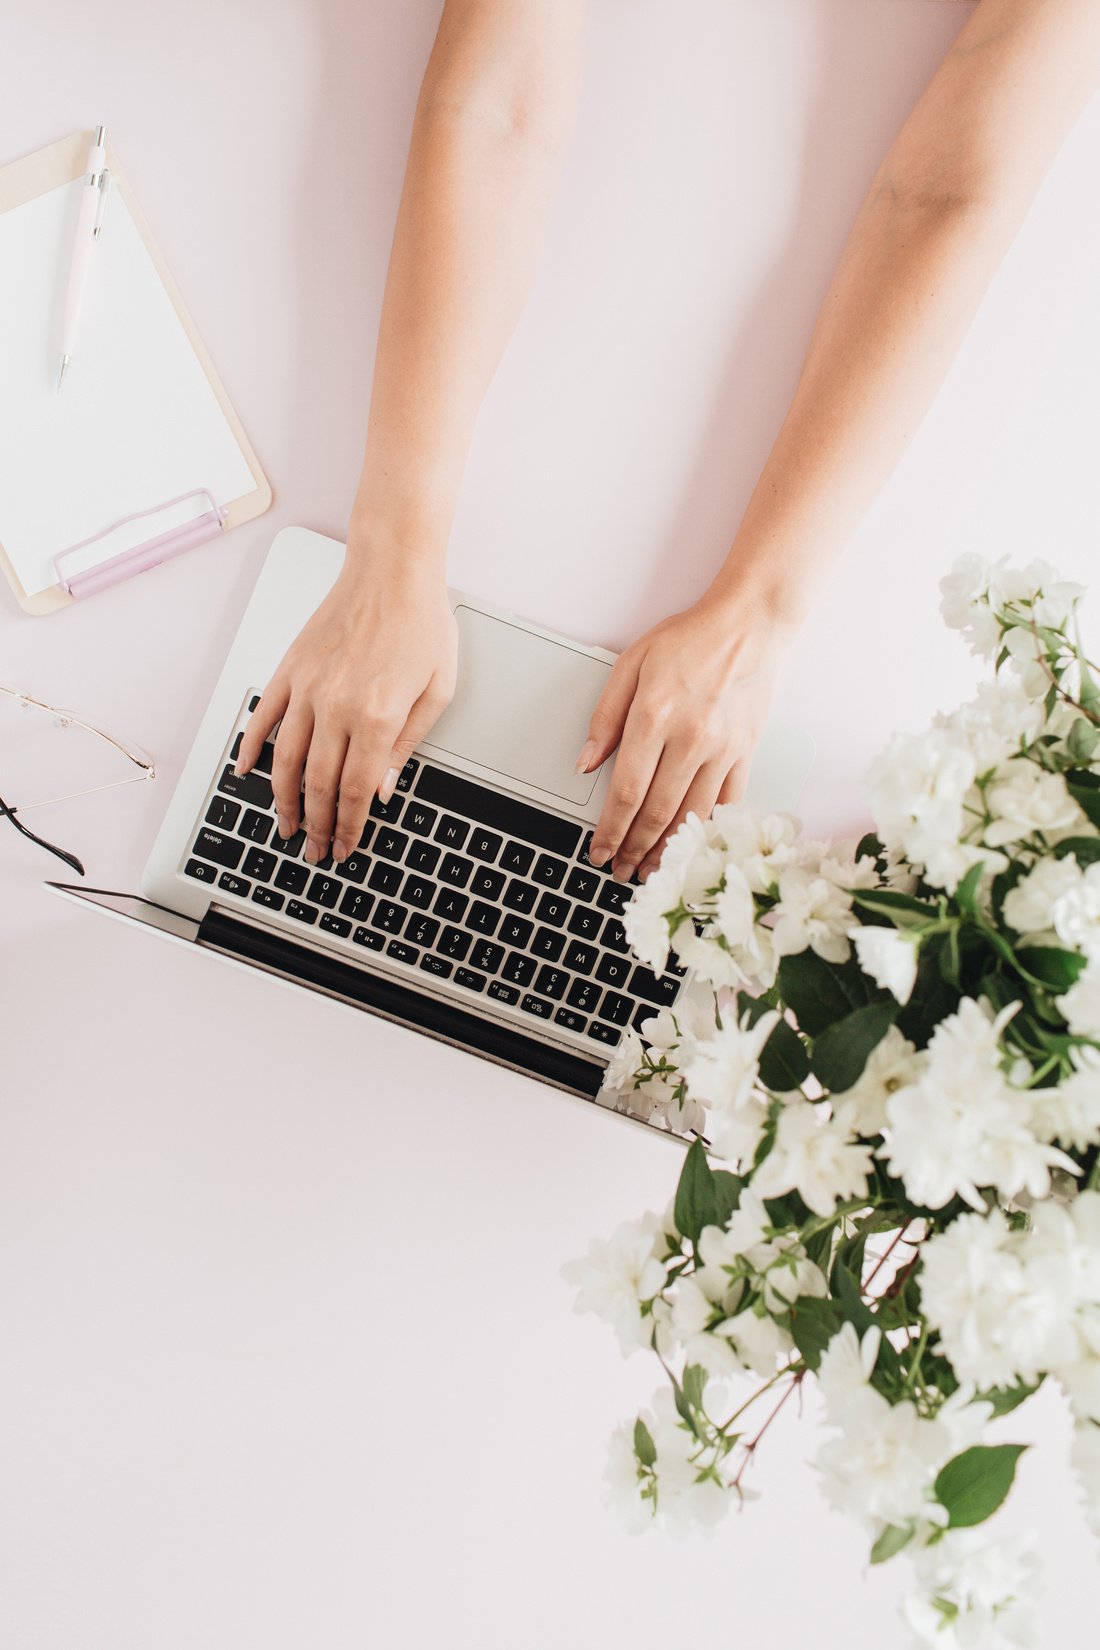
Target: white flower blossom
[(1085, 1460), (1081, 1004), (617, 1276), (816, 1155), (892, 1064), (1024, 798), (1029, 904), (964, 607), (812, 914), (990, 1584), (722, 1073), (888, 956), (1076, 914)]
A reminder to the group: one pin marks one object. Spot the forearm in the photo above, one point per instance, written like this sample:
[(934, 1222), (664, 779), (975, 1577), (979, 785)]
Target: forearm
[(942, 210), (489, 136)]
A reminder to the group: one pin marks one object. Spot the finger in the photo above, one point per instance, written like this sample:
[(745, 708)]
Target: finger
[(639, 753), (324, 765), (606, 724), (424, 713), (291, 745), (701, 797), (357, 786), (735, 784), (272, 705), (672, 778)]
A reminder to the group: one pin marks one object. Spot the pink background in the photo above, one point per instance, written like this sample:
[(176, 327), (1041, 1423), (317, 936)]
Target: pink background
[(285, 1357)]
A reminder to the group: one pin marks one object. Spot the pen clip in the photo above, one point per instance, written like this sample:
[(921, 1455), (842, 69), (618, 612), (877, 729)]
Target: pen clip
[(101, 205)]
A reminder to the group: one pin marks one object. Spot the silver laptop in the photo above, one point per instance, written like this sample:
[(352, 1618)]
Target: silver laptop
[(469, 910)]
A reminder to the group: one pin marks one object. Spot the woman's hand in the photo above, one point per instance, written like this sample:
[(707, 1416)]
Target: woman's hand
[(358, 688), (685, 704)]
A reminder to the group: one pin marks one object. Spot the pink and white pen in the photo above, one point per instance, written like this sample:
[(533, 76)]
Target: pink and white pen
[(88, 224)]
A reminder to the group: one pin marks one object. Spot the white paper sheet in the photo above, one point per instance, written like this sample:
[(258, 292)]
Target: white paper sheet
[(136, 423)]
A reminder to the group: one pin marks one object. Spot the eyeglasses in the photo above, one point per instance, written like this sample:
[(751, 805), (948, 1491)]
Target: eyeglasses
[(65, 719)]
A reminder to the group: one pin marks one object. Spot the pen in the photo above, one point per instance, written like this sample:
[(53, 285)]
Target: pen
[(88, 224)]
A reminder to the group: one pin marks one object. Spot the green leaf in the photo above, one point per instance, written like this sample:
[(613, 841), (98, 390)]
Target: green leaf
[(902, 909), (820, 992), (964, 893), (1085, 849), (754, 1007), (819, 1247), (1005, 1398), (893, 1538), (972, 1485), (727, 1193), (1057, 969), (644, 1447), (1088, 796), (696, 1198), (842, 1049), (869, 844), (1082, 740), (814, 1322), (861, 1317), (695, 1380), (784, 1062)]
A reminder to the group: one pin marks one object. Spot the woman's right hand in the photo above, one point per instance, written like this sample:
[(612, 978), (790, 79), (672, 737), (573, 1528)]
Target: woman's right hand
[(356, 691)]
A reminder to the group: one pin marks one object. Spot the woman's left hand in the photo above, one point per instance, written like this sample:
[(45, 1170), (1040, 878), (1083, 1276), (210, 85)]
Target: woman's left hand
[(685, 705)]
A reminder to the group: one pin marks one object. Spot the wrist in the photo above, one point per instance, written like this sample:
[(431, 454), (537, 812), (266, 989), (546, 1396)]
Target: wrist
[(761, 585)]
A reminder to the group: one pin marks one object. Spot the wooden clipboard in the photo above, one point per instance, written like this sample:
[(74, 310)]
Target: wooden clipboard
[(49, 168)]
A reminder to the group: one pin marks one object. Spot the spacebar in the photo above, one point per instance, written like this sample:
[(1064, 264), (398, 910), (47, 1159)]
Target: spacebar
[(503, 813)]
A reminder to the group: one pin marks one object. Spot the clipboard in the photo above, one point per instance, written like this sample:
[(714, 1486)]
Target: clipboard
[(135, 522)]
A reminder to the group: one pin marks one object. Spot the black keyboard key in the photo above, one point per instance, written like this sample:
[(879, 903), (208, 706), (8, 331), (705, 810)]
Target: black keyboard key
[(301, 912), (581, 958), (407, 774), (570, 1019), (324, 890), (451, 832), (253, 702), (614, 935), (454, 942), (675, 966), (517, 858), (537, 1005), (422, 856), (389, 811), (585, 922), (615, 1008), (487, 956), (265, 758), (355, 867), (501, 813), (584, 994), (613, 896), (389, 917), (549, 871), (582, 884), (548, 943), (368, 937), (255, 827), (222, 813), (520, 896), (582, 855), (644, 1012), (484, 844), (552, 981), (436, 965), (400, 952), (613, 970), (364, 841), (419, 818), (201, 873), (267, 897), (470, 979), (390, 844), (421, 929), (501, 992), (604, 1034), (553, 908), (291, 846), (259, 864), (335, 925), (356, 904), (235, 748), (291, 878), (384, 878), (418, 890), (520, 970), (221, 850), (455, 870), (488, 884), (451, 904), (483, 918), (253, 788), (644, 983), (234, 884), (515, 931)]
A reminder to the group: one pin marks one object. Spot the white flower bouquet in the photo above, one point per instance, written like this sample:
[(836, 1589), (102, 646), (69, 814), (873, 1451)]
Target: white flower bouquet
[(894, 1046)]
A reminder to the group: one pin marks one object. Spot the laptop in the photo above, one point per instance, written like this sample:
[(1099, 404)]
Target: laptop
[(468, 911)]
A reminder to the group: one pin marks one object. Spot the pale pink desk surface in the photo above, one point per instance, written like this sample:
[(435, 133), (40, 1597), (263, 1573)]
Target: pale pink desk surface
[(284, 1357)]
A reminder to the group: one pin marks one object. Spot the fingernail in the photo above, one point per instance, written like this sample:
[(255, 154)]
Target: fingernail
[(389, 780), (239, 768), (588, 751), (283, 827), (624, 871), (596, 854), (312, 853), (339, 850)]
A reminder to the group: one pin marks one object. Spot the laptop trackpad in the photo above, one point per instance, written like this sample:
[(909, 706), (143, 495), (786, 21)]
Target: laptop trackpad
[(521, 705)]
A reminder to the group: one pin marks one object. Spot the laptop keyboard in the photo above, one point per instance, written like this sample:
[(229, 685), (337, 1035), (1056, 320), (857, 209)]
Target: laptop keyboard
[(453, 880)]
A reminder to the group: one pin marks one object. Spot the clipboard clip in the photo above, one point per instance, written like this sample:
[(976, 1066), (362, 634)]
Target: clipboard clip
[(139, 557)]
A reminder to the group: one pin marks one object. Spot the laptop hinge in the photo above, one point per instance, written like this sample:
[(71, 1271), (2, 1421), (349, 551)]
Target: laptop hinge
[(379, 994)]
